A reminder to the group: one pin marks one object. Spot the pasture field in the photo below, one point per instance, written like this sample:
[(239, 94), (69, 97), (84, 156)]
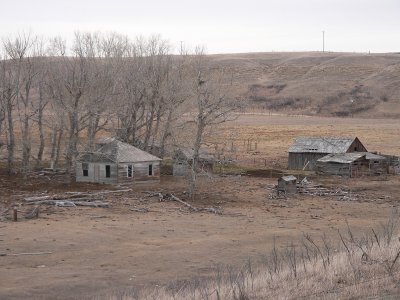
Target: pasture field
[(95, 251)]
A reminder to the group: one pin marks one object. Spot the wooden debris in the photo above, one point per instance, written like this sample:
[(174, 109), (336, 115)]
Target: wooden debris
[(196, 209), (32, 213), (92, 204)]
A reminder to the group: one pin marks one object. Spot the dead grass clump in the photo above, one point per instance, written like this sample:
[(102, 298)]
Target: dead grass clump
[(357, 267)]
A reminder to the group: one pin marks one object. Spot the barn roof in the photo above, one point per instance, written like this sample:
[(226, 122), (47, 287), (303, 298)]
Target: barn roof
[(343, 158), (118, 151), (350, 157), (315, 144)]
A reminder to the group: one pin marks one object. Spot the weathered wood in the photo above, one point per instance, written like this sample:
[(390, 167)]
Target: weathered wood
[(37, 198), (196, 209), (32, 213), (92, 204)]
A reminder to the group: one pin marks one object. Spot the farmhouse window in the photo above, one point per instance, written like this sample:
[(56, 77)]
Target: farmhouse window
[(85, 169), (129, 171), (150, 170), (108, 171), (376, 161)]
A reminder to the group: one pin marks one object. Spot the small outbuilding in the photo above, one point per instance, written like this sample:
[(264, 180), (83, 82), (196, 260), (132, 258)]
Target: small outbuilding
[(352, 164), (116, 162), (287, 184), (305, 151), (182, 161)]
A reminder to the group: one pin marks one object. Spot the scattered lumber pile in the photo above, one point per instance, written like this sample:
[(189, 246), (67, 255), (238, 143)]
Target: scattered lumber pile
[(168, 196), (73, 199)]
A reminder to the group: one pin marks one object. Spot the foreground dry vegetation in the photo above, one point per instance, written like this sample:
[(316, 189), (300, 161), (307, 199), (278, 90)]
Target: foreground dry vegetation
[(362, 266)]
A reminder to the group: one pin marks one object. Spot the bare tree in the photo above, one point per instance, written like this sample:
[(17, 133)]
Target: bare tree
[(212, 106)]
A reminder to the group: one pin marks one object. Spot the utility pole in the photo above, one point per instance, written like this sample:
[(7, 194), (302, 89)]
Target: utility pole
[(181, 47), (323, 40)]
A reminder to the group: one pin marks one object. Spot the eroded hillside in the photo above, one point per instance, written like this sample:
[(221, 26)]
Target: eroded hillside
[(339, 84)]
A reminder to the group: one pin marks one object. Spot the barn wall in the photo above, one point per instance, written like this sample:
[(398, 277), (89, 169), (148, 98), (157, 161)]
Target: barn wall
[(297, 161), (97, 173), (140, 172), (358, 168), (332, 168)]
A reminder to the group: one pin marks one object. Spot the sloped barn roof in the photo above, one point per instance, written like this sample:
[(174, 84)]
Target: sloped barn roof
[(118, 151), (343, 158), (350, 157), (321, 144)]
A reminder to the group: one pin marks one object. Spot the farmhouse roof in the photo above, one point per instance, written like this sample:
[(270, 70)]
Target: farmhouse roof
[(314, 144), (117, 151)]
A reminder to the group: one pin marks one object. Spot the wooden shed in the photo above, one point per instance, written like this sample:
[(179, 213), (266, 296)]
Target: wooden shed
[(116, 162), (352, 164), (287, 184), (182, 161), (305, 151)]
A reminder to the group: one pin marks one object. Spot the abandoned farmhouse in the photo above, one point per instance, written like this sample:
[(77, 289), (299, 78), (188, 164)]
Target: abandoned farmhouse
[(113, 161)]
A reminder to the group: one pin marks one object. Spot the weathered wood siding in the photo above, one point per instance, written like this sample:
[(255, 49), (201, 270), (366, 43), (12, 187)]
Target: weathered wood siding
[(287, 186), (297, 161), (140, 172), (359, 168), (96, 172)]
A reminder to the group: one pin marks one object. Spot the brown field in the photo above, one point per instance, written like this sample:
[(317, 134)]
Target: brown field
[(314, 83), (99, 250)]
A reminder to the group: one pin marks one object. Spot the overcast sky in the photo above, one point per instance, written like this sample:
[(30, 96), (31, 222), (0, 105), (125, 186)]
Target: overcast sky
[(223, 26)]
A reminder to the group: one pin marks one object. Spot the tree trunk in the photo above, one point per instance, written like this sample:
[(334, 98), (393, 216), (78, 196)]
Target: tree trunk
[(165, 134), (10, 132)]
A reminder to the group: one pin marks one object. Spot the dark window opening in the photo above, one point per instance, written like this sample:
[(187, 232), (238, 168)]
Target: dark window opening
[(85, 169), (129, 172), (355, 149), (108, 171), (150, 170)]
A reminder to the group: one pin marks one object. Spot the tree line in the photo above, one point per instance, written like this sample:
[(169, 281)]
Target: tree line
[(136, 90)]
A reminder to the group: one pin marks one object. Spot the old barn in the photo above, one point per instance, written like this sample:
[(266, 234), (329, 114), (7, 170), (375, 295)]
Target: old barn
[(354, 164), (116, 162), (305, 151)]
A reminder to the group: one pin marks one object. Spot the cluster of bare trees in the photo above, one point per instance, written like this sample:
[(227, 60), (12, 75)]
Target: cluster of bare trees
[(136, 90)]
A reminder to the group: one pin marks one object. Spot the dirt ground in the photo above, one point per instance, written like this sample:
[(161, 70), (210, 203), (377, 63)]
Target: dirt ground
[(95, 251)]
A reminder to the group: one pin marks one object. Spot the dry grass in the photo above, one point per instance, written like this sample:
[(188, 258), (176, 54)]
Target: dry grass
[(358, 267), (306, 82)]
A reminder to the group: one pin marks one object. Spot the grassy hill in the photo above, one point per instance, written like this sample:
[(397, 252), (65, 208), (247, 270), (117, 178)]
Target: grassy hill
[(340, 84)]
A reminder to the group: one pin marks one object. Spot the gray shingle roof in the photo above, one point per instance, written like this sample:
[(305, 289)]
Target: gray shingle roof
[(344, 158), (349, 157), (118, 151), (315, 144)]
